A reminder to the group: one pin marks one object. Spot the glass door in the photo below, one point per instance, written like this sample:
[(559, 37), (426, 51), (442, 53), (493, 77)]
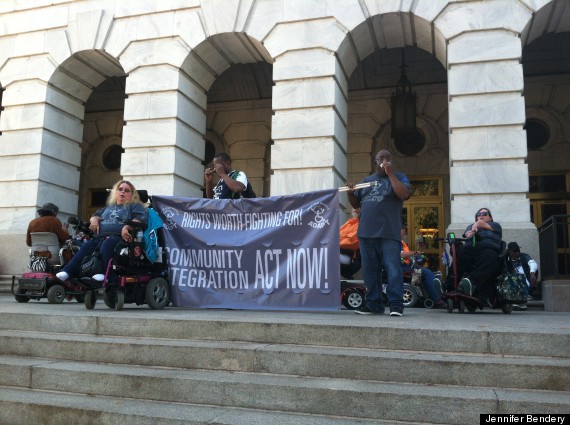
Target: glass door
[(423, 216)]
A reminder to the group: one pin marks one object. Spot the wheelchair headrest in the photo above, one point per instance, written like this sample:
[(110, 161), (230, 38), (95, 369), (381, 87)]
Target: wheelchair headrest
[(143, 194), (503, 252)]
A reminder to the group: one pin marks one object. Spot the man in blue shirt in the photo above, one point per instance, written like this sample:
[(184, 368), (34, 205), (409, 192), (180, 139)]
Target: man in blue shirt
[(379, 233)]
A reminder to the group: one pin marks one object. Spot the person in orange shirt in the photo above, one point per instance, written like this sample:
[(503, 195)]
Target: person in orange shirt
[(349, 246)]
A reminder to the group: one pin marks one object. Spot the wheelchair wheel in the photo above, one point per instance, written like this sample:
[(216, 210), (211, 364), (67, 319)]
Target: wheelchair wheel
[(120, 300), (461, 306), (471, 308), (157, 293), (353, 299), (56, 294), (90, 300), (21, 298), (449, 305), (109, 299), (410, 296)]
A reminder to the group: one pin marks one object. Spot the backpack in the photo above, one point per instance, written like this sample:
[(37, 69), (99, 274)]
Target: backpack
[(150, 235), (247, 193), (511, 288)]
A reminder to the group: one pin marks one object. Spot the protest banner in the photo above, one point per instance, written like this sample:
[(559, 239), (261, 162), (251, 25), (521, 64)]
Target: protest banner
[(278, 253)]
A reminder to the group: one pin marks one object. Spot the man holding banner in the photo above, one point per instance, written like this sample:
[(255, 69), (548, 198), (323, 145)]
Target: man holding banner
[(232, 182), (379, 233)]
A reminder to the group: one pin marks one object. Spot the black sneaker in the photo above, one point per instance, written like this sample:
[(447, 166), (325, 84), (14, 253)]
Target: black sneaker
[(396, 312), (364, 310), (519, 307)]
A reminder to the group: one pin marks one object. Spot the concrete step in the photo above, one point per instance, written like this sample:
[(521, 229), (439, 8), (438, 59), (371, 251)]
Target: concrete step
[(428, 368), (25, 407), (5, 284), (277, 367), (443, 332), (307, 395)]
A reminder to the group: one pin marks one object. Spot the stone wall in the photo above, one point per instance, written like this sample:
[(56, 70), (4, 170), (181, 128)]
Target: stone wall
[(315, 134)]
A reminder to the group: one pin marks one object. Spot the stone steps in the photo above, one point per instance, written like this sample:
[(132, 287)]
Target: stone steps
[(354, 398), (25, 407), (452, 333), (523, 372), (239, 367), (5, 284)]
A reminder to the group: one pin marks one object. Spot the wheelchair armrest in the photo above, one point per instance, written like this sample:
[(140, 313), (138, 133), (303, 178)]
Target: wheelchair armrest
[(503, 252), (135, 224)]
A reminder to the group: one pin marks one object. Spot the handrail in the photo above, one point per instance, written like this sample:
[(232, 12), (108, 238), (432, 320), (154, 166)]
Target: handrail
[(554, 241)]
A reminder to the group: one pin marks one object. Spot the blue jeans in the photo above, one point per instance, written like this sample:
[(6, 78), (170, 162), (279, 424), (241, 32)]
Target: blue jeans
[(106, 251), (374, 253), (427, 281)]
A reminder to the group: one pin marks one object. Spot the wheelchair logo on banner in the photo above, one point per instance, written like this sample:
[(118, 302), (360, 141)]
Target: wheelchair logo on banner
[(169, 213), (319, 209)]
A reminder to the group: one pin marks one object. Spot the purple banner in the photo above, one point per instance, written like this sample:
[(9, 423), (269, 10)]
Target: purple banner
[(278, 253)]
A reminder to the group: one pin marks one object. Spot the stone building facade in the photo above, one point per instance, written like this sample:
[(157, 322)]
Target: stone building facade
[(296, 91)]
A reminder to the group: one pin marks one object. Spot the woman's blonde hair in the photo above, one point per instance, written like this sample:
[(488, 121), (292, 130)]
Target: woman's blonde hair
[(112, 198)]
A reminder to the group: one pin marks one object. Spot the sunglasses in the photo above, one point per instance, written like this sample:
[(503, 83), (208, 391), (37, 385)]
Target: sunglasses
[(482, 214), (124, 189)]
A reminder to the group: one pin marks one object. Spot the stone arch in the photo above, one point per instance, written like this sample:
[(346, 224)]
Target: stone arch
[(373, 67), (392, 30), (165, 145), (547, 18), (69, 89), (545, 44), (213, 56), (322, 64), (545, 41), (227, 69)]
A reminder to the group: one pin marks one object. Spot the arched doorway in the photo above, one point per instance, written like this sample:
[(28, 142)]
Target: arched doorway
[(423, 156), (546, 67), (90, 120)]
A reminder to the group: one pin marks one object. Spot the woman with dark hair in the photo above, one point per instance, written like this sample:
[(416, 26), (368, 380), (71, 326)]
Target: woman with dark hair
[(47, 222), (108, 223), (478, 258)]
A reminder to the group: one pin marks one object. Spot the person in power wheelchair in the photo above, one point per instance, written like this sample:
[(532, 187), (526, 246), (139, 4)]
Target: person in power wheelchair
[(523, 264), (48, 222), (107, 225), (479, 262), (431, 284)]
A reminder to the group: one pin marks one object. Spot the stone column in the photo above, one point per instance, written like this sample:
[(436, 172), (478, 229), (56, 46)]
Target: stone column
[(487, 143), (41, 137), (309, 122), (165, 123)]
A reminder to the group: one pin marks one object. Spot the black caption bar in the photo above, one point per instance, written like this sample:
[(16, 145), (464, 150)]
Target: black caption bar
[(552, 419)]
